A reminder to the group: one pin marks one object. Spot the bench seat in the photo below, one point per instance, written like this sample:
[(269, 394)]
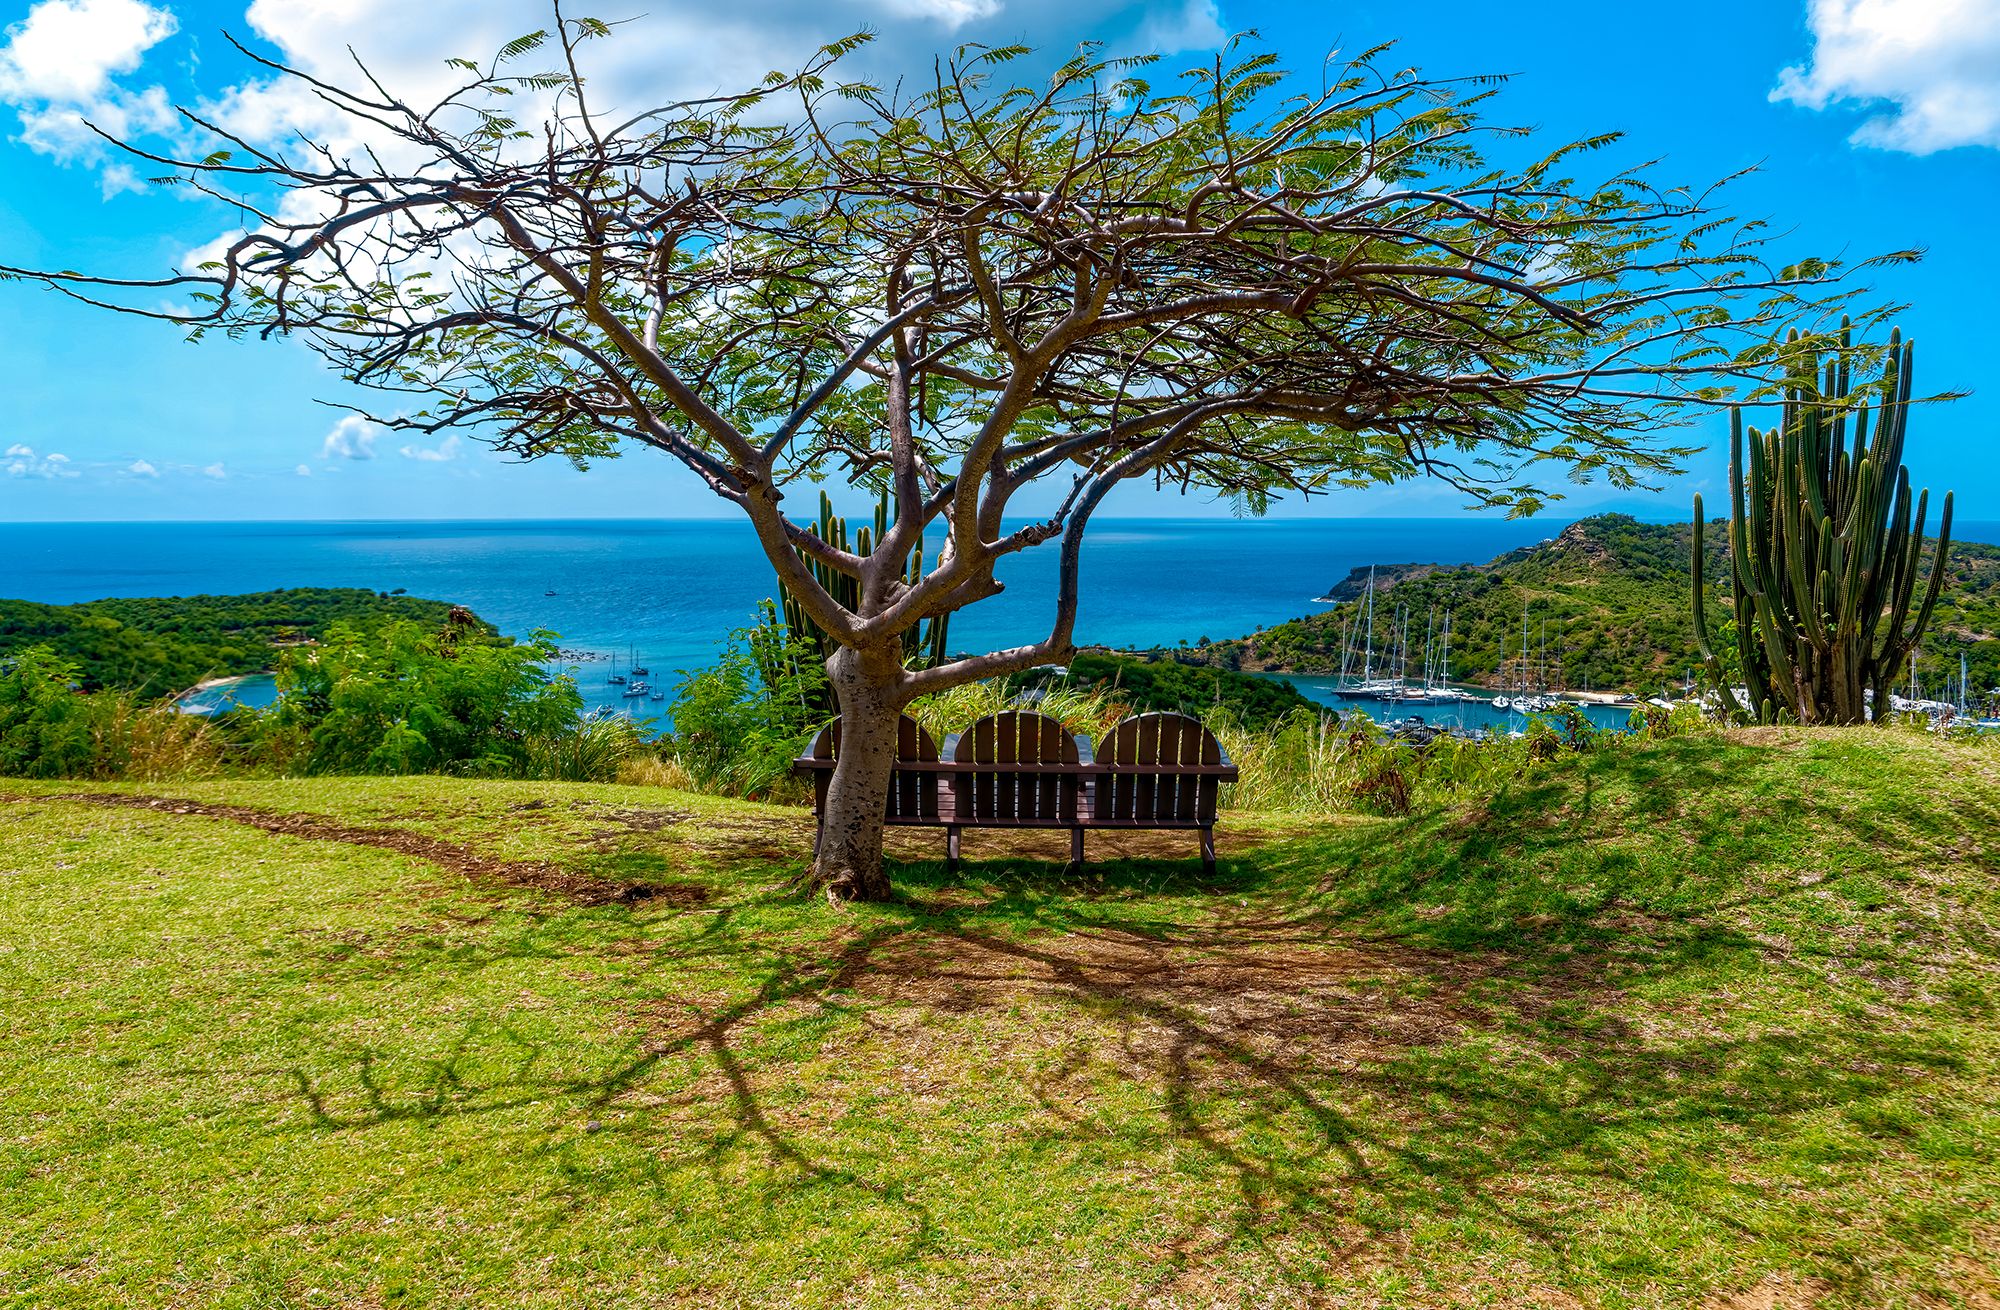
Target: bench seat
[(1162, 772)]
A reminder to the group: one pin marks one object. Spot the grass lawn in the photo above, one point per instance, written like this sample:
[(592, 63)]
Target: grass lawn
[(1711, 1022)]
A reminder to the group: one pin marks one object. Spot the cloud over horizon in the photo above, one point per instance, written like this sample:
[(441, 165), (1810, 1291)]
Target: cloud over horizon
[(353, 437), (23, 462)]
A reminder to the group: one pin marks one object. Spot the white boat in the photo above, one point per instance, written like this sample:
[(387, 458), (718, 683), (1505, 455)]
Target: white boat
[(637, 689), (1502, 703)]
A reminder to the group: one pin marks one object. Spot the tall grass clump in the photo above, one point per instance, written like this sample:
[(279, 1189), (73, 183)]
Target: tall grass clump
[(1321, 763), (1086, 711), (596, 749)]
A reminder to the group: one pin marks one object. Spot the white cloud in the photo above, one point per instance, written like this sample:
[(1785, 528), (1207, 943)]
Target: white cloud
[(352, 438), (1936, 61), (1196, 25), (66, 50), (216, 471), (57, 68), (445, 450), (304, 470), (140, 468), (952, 14), (22, 462)]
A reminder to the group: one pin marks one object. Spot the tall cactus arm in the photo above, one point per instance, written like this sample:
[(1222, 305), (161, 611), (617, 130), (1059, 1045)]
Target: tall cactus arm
[(1908, 638), (1908, 562)]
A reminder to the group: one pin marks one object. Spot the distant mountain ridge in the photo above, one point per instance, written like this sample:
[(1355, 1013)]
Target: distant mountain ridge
[(1606, 606)]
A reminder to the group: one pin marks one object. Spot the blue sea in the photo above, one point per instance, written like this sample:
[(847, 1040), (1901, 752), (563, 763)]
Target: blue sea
[(668, 591)]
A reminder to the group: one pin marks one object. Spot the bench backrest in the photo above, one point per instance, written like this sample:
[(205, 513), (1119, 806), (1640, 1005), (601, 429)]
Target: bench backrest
[(1156, 739), (913, 790), (1016, 737)]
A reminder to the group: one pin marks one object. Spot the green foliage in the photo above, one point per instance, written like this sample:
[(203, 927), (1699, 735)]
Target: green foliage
[(1823, 549), (1154, 683), (159, 645), (1319, 763), (739, 723), (51, 728), (400, 698), (591, 751), (46, 727)]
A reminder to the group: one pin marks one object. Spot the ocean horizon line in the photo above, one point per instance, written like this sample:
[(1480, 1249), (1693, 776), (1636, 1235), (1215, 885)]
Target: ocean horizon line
[(1178, 520)]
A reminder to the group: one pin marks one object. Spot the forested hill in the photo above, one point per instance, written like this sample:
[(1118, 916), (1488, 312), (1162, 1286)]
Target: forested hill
[(1609, 595), (159, 645)]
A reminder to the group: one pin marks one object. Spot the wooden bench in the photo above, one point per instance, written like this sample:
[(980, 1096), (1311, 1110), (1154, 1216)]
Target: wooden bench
[(1024, 770)]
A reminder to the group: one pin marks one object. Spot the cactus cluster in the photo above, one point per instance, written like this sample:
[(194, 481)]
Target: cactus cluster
[(1824, 552), (923, 643)]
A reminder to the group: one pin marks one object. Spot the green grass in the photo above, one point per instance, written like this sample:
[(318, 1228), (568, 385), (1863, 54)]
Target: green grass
[(1654, 1027)]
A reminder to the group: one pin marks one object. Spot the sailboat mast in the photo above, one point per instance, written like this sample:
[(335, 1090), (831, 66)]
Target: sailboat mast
[(1368, 658), (1430, 622)]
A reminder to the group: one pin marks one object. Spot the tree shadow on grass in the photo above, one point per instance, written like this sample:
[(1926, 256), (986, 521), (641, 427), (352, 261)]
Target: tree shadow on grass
[(1454, 1015)]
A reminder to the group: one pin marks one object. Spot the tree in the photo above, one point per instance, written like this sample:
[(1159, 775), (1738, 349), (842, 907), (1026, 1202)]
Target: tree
[(1236, 283)]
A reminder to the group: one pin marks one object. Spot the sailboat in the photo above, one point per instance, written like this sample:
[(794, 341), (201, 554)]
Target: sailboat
[(639, 670), (616, 678), (1370, 685), (1442, 689)]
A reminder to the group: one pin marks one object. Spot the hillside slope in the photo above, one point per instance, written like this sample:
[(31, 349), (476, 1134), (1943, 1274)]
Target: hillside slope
[(1703, 1023), (1606, 605)]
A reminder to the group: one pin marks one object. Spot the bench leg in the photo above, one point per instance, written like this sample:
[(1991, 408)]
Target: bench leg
[(1208, 850), (819, 834), (951, 848), (1076, 848)]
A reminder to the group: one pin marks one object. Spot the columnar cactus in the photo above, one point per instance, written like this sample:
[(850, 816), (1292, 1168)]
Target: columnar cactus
[(923, 644), (1824, 555)]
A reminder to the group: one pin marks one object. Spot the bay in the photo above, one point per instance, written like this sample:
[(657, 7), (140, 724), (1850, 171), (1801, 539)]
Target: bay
[(670, 590)]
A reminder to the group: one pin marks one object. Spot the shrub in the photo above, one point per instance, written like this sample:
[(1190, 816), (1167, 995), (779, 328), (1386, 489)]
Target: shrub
[(739, 723), (51, 728), (45, 719), (400, 699)]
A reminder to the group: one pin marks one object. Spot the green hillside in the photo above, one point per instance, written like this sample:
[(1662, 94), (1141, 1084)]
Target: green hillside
[(164, 644), (1607, 599)]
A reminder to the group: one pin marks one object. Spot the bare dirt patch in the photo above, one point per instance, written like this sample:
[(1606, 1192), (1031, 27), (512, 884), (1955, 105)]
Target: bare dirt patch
[(1277, 990), (573, 884)]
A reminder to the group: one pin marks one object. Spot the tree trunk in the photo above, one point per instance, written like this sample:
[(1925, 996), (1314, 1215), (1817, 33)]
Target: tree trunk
[(848, 864)]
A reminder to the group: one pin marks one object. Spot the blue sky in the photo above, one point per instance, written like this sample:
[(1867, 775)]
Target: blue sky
[(1876, 123)]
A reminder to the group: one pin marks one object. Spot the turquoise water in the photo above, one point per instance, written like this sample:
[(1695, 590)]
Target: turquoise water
[(670, 590), (1470, 716)]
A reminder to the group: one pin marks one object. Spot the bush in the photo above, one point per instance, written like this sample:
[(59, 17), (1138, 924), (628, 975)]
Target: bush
[(400, 699), (51, 728), (739, 723), (46, 728)]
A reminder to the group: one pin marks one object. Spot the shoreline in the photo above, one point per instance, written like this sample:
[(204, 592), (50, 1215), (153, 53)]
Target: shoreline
[(208, 685)]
